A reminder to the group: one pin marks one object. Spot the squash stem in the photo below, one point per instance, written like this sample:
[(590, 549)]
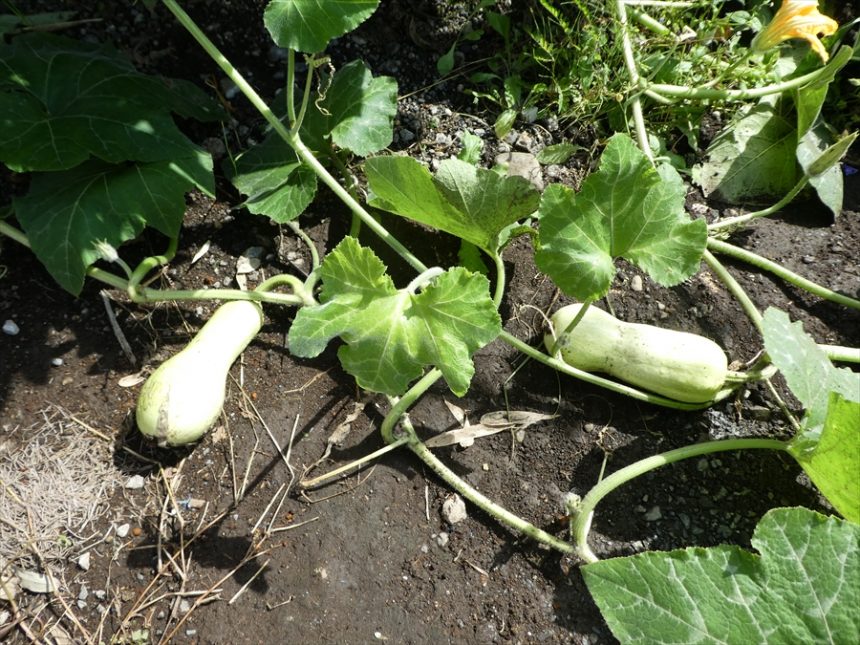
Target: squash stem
[(580, 519), (398, 413), (734, 288), (158, 295), (728, 225), (588, 377), (635, 80), (291, 138), (501, 279), (148, 264), (560, 338), (706, 93), (842, 354), (780, 271)]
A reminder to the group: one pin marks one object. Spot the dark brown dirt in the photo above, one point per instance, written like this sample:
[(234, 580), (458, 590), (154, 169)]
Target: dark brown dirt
[(369, 558)]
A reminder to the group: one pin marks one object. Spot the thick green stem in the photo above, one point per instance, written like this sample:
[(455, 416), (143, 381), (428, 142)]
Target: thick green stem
[(734, 288), (633, 71), (500, 513), (158, 295), (780, 271), (290, 138), (842, 354), (315, 256), (499, 291), (584, 509), (706, 93), (10, 231), (149, 264), (588, 377), (735, 222)]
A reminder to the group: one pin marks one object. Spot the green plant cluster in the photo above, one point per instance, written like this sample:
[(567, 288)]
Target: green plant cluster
[(106, 159)]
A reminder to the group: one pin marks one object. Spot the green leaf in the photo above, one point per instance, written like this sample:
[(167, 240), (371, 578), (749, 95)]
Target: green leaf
[(802, 587), (808, 372), (504, 123), (751, 159), (66, 213), (358, 111), (833, 464), (472, 203), (276, 183), (808, 101), (391, 335), (821, 164), (473, 146), (357, 114), (445, 63), (557, 153), (625, 209), (63, 101), (309, 25)]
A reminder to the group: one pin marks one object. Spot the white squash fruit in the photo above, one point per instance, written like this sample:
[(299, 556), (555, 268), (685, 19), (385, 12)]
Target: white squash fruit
[(679, 365), (184, 396)]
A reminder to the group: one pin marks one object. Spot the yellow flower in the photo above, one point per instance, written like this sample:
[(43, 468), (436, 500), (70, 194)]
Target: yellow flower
[(797, 19)]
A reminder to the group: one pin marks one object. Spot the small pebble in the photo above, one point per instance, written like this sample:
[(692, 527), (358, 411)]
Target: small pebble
[(442, 539), (137, 531), (122, 530), (190, 632), (84, 561), (636, 283), (56, 362), (10, 328), (184, 606), (654, 514), (134, 482), (454, 509)]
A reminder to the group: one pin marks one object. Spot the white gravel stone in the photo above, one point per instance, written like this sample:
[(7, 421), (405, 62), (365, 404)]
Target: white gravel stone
[(10, 328), (454, 509)]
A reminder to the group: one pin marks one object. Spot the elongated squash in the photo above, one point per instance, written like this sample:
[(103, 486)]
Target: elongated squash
[(183, 398), (682, 366)]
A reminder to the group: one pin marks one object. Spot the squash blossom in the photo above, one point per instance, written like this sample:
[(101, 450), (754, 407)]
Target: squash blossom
[(797, 19)]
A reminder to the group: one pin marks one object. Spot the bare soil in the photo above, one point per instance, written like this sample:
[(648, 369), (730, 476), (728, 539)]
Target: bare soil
[(217, 553)]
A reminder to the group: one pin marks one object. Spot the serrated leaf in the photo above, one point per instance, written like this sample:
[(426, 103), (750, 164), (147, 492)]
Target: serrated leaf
[(63, 101), (808, 372), (473, 146), (625, 209), (66, 213), (358, 111), (833, 464), (471, 203), (752, 158), (309, 25), (392, 335), (801, 588)]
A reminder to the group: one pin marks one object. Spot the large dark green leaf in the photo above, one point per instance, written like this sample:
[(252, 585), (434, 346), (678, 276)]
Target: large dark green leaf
[(66, 213), (63, 101)]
